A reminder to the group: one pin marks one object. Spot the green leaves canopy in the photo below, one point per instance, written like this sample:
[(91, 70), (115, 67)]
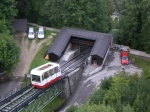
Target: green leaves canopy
[(134, 28), (9, 52), (86, 14), (95, 108), (7, 13)]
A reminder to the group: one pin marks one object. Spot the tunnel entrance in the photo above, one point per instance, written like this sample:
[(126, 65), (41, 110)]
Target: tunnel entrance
[(82, 44)]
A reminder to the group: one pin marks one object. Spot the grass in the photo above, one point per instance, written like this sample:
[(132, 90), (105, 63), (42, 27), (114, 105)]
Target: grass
[(46, 33), (142, 63), (39, 58)]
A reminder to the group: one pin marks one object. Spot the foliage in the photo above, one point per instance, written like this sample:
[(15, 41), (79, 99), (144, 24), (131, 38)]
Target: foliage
[(120, 85), (115, 23), (142, 63), (126, 93), (127, 108), (95, 108), (115, 29), (71, 109), (106, 83), (98, 95), (9, 52), (7, 13), (24, 7), (134, 29), (86, 14)]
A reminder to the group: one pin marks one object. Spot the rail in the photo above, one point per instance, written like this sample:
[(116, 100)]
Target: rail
[(28, 94), (13, 93)]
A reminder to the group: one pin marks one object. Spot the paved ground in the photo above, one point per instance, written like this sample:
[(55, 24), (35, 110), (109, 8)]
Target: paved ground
[(9, 87), (89, 84)]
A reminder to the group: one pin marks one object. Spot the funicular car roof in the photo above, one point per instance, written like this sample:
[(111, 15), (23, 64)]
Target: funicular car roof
[(43, 68)]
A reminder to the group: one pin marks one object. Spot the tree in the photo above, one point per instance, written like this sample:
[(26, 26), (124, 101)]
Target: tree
[(127, 108), (86, 14), (72, 109), (7, 13), (9, 52), (134, 29), (95, 108), (24, 8)]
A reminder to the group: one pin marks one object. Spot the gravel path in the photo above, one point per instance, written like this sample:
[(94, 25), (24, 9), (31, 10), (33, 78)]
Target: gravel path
[(29, 49)]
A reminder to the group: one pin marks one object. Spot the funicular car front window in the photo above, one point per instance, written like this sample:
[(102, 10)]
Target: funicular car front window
[(35, 78)]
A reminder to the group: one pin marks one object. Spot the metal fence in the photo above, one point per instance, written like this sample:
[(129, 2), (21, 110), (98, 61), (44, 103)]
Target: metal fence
[(40, 100), (14, 92)]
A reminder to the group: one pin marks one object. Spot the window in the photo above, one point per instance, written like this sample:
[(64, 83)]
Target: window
[(56, 69), (36, 78), (51, 72), (46, 75)]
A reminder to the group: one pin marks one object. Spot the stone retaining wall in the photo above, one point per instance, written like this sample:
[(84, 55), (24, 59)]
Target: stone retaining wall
[(71, 82)]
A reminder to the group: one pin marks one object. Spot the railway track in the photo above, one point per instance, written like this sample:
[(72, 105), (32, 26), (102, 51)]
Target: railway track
[(24, 98), (16, 101), (75, 61)]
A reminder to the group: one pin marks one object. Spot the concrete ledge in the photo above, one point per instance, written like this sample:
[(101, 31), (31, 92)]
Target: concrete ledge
[(95, 71)]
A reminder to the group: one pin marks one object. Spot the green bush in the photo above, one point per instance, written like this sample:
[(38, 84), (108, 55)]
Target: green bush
[(95, 108), (97, 97), (71, 109), (127, 108), (123, 92), (106, 83)]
